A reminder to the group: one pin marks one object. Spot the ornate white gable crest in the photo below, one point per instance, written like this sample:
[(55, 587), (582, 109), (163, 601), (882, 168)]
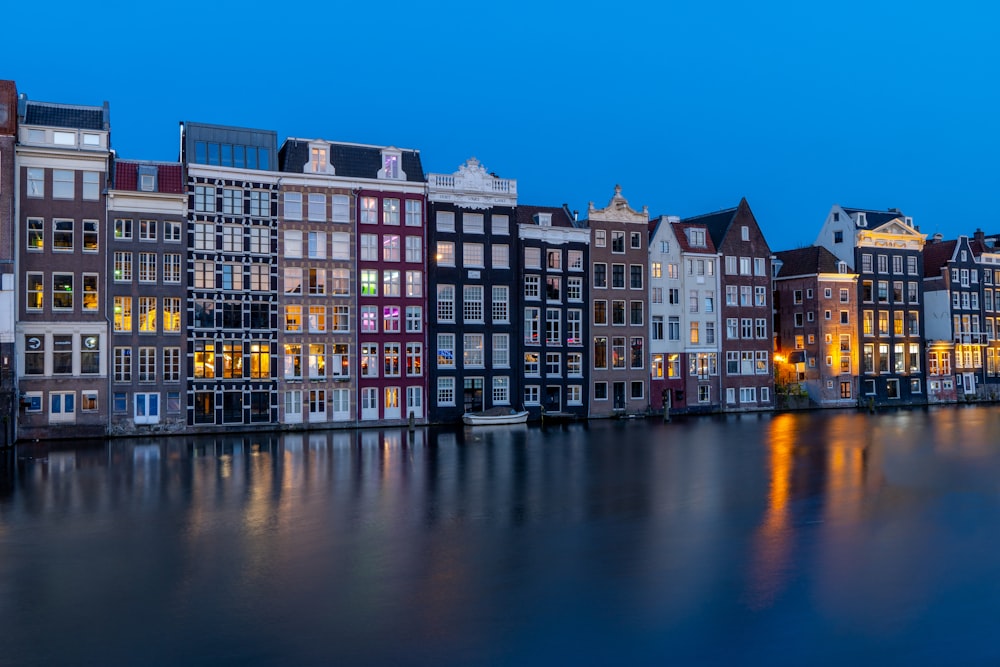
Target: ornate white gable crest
[(473, 187), (618, 210)]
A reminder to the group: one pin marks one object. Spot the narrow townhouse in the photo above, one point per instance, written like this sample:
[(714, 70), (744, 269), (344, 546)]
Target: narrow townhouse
[(390, 270), (146, 295), (556, 365), (317, 332), (62, 160), (472, 292), (745, 278), (619, 303), (815, 329)]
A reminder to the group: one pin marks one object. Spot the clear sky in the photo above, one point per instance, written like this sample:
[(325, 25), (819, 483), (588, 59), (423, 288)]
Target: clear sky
[(688, 105)]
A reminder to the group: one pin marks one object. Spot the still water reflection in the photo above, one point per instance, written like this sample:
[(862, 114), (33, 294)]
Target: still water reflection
[(778, 539)]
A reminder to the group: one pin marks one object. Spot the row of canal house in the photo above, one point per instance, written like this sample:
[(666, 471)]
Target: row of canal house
[(329, 283), (875, 313)]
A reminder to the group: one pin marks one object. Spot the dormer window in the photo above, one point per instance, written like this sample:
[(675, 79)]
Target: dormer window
[(392, 159), (147, 178), (862, 219), (544, 219), (696, 237), (842, 267), (319, 159)]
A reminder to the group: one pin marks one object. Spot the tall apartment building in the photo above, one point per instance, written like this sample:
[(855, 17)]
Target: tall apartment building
[(885, 250), (619, 302), (317, 261), (473, 294), (232, 288), (816, 326), (555, 254), (62, 158), (684, 316), (8, 226), (746, 309), (146, 294)]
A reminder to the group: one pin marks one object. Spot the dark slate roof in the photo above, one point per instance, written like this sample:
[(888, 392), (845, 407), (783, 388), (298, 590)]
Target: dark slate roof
[(682, 239), (806, 261), (875, 218), (717, 223), (169, 176), (560, 218), (937, 254), (65, 115), (349, 160), (293, 155)]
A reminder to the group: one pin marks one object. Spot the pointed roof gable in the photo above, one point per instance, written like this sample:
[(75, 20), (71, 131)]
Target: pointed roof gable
[(719, 223)]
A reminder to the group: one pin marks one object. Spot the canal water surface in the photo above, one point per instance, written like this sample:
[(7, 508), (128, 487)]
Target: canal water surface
[(791, 539)]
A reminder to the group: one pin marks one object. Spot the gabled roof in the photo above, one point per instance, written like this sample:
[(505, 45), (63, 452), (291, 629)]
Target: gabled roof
[(560, 217), (807, 261), (66, 115), (169, 178), (717, 223), (349, 160), (939, 253), (682, 238)]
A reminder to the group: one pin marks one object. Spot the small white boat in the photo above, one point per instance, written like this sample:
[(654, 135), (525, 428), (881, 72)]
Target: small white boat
[(495, 417)]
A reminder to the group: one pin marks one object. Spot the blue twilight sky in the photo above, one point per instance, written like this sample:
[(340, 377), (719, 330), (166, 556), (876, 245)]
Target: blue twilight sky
[(688, 105)]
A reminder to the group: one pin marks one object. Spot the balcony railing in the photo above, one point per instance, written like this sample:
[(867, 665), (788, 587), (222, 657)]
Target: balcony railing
[(971, 338), (505, 186)]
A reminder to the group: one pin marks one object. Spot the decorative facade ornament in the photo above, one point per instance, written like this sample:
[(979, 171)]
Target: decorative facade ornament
[(472, 187), (618, 210)]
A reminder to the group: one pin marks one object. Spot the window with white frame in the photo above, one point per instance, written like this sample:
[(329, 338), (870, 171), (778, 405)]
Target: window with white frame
[(445, 253), (446, 303), (414, 213), (36, 182), (472, 350), (317, 245), (473, 255), (91, 185), (445, 221), (472, 303), (500, 225), (63, 184), (446, 391), (472, 223), (446, 350), (292, 205), (532, 287), (390, 211), (414, 319), (390, 282)]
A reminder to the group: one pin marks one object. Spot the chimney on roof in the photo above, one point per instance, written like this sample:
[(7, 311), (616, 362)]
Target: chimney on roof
[(894, 210), (937, 238), (979, 236)]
